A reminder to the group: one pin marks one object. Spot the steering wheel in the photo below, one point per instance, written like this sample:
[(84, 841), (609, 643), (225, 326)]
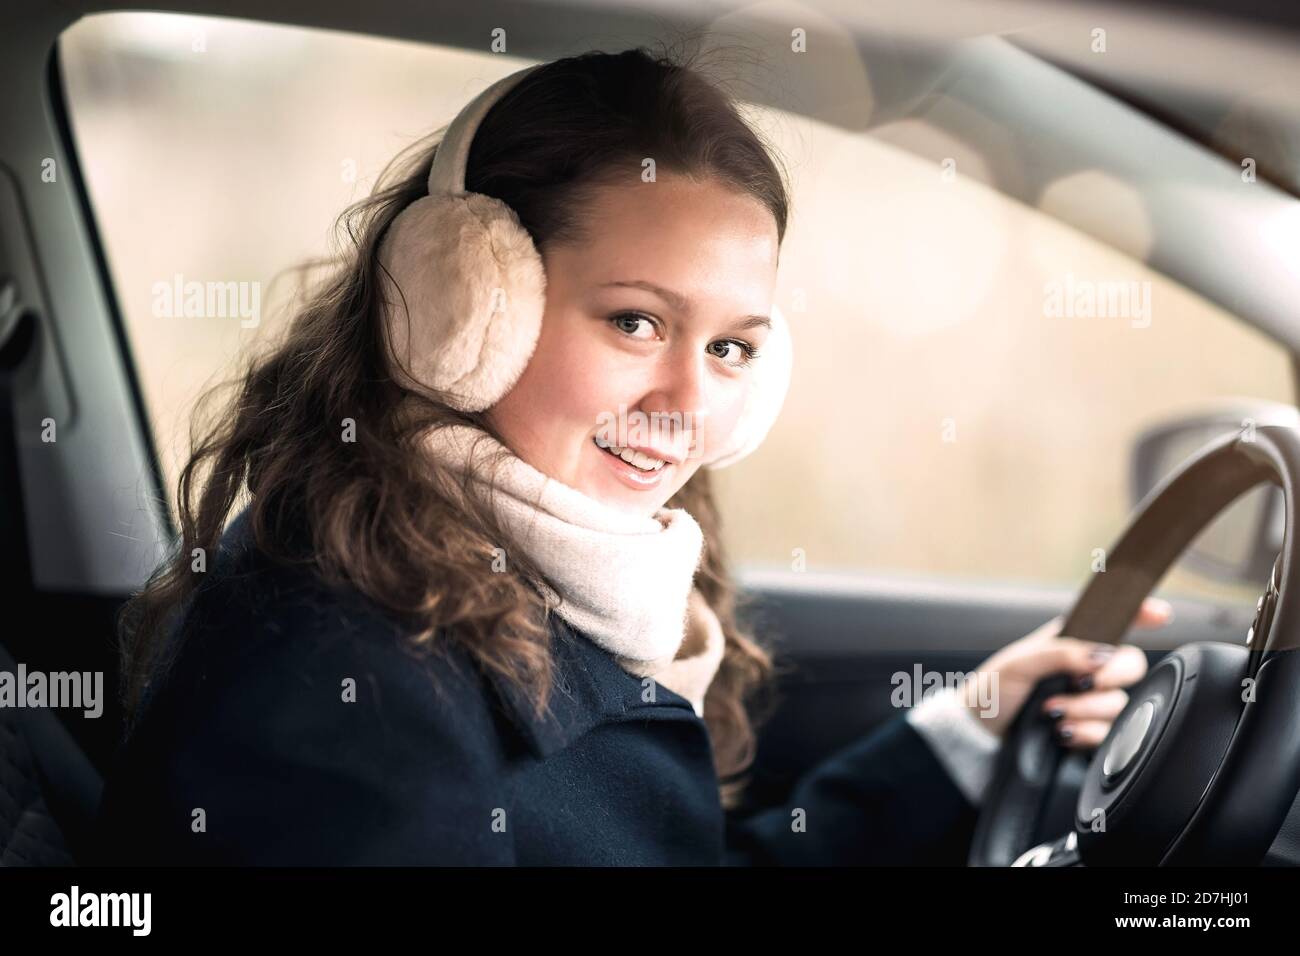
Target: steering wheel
[(1203, 764)]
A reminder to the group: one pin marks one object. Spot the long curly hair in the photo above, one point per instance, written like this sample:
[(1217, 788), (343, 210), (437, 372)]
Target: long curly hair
[(381, 517)]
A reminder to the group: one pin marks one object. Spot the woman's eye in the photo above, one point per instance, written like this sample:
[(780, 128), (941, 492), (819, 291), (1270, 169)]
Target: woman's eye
[(627, 322), (742, 353), (735, 352)]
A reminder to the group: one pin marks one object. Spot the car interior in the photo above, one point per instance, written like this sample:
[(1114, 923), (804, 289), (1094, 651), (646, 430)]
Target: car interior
[(1014, 96)]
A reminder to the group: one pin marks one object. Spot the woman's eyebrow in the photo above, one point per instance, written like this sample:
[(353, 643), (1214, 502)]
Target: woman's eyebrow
[(680, 303)]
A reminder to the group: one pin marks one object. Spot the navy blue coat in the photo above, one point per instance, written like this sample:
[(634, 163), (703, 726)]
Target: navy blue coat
[(249, 754)]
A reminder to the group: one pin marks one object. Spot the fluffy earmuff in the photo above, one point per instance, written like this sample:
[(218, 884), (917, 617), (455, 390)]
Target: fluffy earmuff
[(466, 288), (769, 382), (467, 297)]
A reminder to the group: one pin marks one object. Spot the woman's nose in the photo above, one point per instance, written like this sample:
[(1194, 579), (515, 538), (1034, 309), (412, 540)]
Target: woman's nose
[(679, 394)]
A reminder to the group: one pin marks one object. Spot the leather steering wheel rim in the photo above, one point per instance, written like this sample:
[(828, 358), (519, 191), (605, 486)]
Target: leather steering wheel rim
[(1250, 773)]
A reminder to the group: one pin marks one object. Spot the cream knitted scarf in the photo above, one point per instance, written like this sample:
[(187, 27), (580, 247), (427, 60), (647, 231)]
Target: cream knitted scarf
[(625, 581)]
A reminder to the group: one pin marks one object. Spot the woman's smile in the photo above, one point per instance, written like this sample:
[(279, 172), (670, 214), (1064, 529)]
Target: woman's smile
[(632, 473)]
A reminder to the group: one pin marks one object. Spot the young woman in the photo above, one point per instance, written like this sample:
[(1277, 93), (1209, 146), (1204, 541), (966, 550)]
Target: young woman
[(475, 608)]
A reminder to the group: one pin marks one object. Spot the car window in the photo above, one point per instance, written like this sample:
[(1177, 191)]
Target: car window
[(970, 373)]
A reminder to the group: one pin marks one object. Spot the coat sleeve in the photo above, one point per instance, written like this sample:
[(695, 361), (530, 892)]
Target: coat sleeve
[(889, 798), (966, 748), (309, 740)]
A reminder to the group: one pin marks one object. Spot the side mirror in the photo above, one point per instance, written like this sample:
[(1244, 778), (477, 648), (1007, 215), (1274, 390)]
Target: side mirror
[(1240, 546)]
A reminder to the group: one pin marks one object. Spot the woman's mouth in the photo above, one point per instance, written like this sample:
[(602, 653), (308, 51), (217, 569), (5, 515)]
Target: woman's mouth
[(633, 467)]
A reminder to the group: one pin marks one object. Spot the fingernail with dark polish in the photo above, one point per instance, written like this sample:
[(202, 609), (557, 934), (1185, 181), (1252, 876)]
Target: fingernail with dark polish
[(1064, 733), (1083, 683), (1056, 713)]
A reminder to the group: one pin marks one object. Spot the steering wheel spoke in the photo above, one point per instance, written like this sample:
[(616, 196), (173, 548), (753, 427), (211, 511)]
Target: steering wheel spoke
[(1061, 852)]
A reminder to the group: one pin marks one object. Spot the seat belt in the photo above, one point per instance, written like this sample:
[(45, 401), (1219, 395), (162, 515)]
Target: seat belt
[(17, 332), (70, 784)]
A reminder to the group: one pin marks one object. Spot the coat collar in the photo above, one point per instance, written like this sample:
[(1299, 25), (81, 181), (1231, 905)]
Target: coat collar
[(589, 688)]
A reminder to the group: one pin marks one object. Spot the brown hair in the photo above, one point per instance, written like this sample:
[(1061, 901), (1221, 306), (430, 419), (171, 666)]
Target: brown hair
[(383, 519)]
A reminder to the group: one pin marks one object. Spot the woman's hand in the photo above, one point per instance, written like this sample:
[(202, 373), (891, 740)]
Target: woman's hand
[(1100, 670)]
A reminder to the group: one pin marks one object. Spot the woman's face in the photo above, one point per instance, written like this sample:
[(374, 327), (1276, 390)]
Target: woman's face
[(644, 339)]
